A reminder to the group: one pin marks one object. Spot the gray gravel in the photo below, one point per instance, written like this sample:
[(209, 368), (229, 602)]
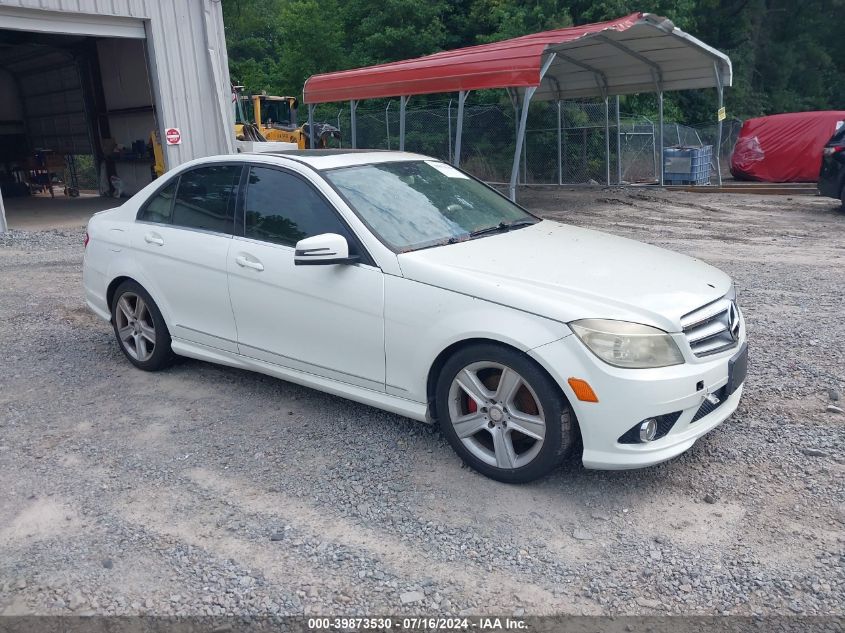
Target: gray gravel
[(209, 490)]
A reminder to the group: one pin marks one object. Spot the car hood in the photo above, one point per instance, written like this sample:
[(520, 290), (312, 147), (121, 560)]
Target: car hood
[(566, 273)]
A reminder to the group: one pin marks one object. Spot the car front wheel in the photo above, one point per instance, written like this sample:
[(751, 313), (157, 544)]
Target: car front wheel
[(140, 329), (503, 414)]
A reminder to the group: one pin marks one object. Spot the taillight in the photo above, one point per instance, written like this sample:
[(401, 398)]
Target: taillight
[(833, 149), (86, 240)]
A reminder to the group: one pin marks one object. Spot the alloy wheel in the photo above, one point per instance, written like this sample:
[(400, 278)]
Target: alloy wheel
[(135, 326), (497, 415)]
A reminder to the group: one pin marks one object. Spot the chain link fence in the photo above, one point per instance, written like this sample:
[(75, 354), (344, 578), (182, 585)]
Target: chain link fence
[(566, 142)]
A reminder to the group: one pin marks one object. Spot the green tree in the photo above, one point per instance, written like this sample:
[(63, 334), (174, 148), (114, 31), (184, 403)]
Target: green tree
[(377, 31)]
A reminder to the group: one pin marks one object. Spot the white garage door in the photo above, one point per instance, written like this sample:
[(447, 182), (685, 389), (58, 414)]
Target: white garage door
[(55, 109)]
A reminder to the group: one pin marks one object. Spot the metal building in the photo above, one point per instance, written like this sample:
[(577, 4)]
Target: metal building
[(95, 78)]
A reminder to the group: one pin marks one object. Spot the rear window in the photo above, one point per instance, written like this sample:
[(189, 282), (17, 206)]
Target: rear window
[(159, 206), (206, 197)]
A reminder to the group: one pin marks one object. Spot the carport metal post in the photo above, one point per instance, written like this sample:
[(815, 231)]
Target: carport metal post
[(449, 128), (311, 126), (523, 121), (459, 127), (607, 140), (403, 102), (353, 105), (618, 144), (721, 91)]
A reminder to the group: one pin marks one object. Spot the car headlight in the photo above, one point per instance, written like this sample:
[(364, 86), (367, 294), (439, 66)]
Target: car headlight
[(629, 345)]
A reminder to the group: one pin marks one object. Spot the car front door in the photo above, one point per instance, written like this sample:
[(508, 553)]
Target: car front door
[(182, 240), (324, 320)]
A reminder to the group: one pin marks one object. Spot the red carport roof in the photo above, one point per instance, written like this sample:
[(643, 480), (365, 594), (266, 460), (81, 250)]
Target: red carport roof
[(622, 56)]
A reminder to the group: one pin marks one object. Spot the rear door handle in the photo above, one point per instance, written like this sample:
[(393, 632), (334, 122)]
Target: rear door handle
[(243, 262), (152, 238)]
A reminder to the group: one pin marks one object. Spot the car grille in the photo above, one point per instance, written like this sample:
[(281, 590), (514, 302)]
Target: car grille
[(712, 328)]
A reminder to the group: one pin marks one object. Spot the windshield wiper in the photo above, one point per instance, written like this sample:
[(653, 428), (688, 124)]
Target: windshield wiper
[(501, 227)]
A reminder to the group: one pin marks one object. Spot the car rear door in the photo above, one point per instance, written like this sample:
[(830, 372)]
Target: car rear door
[(323, 320), (182, 240)]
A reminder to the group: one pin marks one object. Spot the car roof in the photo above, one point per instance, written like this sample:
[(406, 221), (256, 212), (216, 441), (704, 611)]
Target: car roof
[(332, 158)]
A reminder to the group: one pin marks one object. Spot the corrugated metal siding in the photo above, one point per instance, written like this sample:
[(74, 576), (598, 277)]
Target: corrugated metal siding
[(192, 91), (126, 8)]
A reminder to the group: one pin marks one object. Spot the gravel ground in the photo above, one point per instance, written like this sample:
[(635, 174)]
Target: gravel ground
[(209, 490)]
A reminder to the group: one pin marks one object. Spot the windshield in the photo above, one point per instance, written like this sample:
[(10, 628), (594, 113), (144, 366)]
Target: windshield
[(415, 204)]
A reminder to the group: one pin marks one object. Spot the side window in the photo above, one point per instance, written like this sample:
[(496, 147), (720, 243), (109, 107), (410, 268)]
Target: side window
[(206, 198), (159, 207), (283, 209)]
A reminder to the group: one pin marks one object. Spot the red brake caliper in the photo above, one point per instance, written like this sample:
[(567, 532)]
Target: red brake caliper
[(471, 406)]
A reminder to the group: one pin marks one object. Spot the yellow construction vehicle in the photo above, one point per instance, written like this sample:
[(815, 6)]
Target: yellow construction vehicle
[(274, 119)]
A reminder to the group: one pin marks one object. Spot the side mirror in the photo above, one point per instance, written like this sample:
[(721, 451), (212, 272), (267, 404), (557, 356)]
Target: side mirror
[(322, 250)]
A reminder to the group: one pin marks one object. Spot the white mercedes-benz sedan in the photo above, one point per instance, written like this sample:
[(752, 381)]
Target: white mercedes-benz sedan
[(398, 281)]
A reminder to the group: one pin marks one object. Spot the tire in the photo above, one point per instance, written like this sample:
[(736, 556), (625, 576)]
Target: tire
[(514, 432), (140, 330)]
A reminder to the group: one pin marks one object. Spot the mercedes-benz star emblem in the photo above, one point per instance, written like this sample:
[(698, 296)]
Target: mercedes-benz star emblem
[(733, 319)]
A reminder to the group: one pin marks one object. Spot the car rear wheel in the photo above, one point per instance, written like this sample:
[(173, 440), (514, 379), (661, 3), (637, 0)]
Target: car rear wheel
[(140, 329), (503, 414)]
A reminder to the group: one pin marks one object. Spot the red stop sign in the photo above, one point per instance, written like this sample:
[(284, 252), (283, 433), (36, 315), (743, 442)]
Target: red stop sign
[(173, 136)]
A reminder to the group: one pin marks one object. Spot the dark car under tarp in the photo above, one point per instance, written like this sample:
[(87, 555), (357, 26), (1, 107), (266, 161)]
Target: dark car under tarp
[(784, 147)]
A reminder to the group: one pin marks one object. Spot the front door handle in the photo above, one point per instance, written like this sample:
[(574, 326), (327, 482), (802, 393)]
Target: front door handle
[(152, 238), (243, 262)]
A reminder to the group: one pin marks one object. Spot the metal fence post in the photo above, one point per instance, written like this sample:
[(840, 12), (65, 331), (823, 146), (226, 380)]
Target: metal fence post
[(654, 151), (618, 144), (387, 122), (607, 141), (660, 117), (311, 126), (559, 147), (340, 129), (353, 105), (565, 143)]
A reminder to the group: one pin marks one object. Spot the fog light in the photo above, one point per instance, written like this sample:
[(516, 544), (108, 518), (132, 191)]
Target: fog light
[(648, 429)]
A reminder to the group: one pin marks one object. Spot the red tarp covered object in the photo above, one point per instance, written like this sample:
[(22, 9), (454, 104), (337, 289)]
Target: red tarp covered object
[(783, 147)]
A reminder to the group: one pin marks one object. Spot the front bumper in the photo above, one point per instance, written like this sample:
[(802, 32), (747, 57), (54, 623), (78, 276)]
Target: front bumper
[(629, 396)]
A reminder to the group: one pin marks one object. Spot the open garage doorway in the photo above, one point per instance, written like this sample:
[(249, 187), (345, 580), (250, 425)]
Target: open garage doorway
[(78, 124)]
